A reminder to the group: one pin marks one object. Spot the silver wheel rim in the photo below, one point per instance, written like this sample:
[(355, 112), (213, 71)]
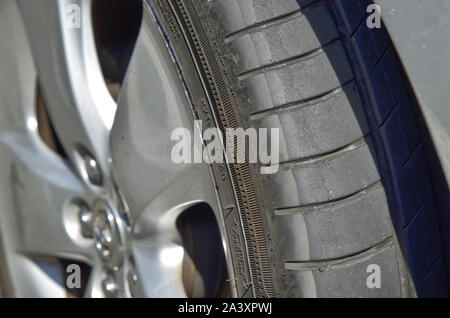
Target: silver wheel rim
[(123, 181)]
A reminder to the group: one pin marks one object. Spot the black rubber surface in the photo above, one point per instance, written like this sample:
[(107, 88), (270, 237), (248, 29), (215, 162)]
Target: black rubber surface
[(353, 166), (351, 154)]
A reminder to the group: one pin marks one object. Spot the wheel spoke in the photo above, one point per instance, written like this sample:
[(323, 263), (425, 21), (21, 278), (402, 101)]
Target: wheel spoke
[(157, 190), (159, 263), (94, 285), (71, 80), (189, 187), (40, 190), (151, 106)]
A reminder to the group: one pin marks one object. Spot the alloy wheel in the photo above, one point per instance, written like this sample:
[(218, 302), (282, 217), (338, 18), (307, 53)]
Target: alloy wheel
[(115, 201)]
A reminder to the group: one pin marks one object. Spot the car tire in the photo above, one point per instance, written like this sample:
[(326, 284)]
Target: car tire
[(352, 202)]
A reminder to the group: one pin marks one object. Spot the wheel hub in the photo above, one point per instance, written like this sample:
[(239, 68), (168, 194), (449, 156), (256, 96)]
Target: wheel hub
[(110, 232)]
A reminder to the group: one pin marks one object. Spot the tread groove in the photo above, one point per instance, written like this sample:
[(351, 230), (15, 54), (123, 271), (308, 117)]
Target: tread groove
[(301, 103), (317, 207), (389, 114), (386, 50), (357, 27), (286, 62), (416, 148), (415, 214), (338, 263), (262, 25), (302, 162), (433, 266)]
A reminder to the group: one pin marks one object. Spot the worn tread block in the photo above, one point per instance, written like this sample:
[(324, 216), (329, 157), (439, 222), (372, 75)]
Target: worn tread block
[(235, 15), (228, 13), (315, 76), (322, 182), (331, 283), (279, 42), (338, 231), (320, 128), (257, 11)]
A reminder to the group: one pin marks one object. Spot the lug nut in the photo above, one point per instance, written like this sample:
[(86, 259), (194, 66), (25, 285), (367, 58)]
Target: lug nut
[(85, 218), (103, 235), (132, 278), (93, 170), (110, 287)]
